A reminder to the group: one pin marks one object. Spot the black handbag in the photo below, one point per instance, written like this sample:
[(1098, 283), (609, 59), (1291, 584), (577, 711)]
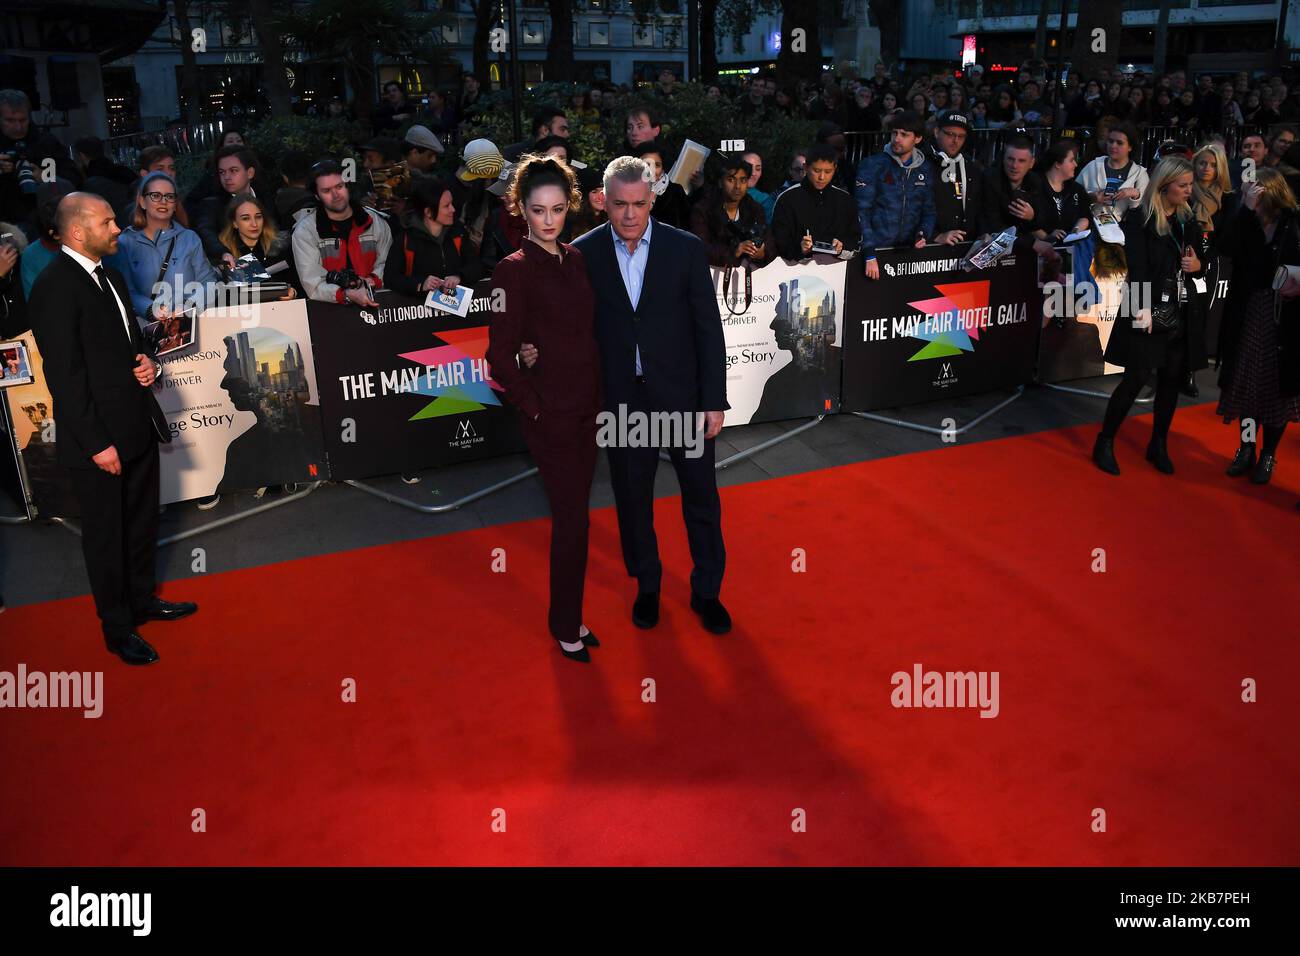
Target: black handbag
[(1164, 314)]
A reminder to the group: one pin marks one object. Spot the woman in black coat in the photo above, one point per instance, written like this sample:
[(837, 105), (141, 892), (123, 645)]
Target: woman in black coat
[(1259, 342), (1161, 239), (430, 250)]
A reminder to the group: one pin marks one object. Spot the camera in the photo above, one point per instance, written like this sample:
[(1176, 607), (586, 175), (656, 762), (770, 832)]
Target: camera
[(746, 232), (344, 278), (23, 167)]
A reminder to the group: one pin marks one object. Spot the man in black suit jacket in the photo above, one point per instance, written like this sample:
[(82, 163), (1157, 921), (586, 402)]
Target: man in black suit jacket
[(662, 350), (108, 423)]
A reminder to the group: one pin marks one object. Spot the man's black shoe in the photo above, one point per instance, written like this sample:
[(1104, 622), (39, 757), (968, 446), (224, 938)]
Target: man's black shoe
[(645, 610), (133, 649), (713, 615), (160, 610)]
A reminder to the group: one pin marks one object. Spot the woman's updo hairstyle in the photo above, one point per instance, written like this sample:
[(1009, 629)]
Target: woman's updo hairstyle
[(536, 171)]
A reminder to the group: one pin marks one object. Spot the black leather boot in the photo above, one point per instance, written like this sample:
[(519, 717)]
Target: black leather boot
[(1158, 455), (1103, 455), (1264, 470), (1243, 461), (1190, 388)]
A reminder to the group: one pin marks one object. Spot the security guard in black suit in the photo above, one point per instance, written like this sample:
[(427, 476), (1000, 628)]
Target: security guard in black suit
[(108, 423)]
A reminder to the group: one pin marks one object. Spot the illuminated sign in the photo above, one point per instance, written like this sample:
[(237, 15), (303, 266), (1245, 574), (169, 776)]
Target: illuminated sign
[(968, 50)]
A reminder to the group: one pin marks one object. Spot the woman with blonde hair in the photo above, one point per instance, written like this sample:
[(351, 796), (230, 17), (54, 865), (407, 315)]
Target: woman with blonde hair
[(248, 230), (1215, 206), (1259, 342), (1156, 329)]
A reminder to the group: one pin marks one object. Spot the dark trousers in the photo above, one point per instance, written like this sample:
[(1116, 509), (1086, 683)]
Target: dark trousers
[(119, 536), (632, 473), (1169, 380), (564, 449)]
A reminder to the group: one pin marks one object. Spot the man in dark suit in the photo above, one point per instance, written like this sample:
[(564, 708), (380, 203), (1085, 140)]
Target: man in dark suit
[(107, 419), (662, 350)]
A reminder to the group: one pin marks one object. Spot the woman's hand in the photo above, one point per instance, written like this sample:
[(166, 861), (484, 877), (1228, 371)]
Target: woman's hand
[(430, 283), (228, 259), (1251, 194), (1057, 235), (1142, 321), (528, 354), (1129, 193), (1191, 263), (450, 283)]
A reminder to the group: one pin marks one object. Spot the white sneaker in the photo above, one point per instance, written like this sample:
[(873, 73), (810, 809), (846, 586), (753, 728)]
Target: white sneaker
[(412, 479), (207, 504)]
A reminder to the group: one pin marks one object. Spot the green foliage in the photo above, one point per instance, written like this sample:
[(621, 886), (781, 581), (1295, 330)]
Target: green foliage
[(316, 136), (190, 168)]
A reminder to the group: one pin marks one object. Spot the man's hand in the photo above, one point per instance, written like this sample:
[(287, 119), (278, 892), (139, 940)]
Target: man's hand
[(950, 238), (430, 283), (8, 257), (360, 297), (108, 461), (837, 246), (528, 354), (6, 163), (713, 423), (920, 243), (872, 269), (145, 370), (228, 259), (1021, 209), (806, 243), (747, 248), (1044, 249)]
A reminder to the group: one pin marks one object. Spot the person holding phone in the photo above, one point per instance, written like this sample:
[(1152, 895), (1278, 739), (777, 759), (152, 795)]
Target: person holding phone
[(1161, 239), (1114, 180)]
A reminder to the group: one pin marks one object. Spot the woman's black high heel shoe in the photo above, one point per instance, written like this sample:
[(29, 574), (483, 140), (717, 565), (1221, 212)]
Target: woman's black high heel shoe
[(589, 639), (575, 651)]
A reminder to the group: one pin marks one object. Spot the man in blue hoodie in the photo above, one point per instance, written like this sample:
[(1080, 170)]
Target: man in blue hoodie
[(895, 204)]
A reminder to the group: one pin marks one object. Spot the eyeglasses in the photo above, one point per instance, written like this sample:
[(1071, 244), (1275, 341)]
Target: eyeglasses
[(160, 197)]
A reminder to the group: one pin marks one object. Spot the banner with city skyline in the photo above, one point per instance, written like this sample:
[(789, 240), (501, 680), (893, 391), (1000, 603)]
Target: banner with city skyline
[(406, 387), (242, 404), (784, 350)]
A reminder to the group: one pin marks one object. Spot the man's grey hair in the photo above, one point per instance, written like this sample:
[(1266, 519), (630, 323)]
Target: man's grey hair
[(15, 100), (627, 169)]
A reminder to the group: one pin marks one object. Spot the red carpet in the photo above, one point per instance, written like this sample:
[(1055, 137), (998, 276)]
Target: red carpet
[(1119, 690)]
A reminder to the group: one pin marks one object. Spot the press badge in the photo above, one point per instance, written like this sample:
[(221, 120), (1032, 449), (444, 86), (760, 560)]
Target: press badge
[(1200, 284)]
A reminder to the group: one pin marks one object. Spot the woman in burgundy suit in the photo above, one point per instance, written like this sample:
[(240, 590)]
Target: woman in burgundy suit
[(549, 303)]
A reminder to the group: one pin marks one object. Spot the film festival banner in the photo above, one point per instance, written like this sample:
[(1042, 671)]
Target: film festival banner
[(242, 404), (927, 330), (1072, 347), (406, 387), (783, 352), (34, 434)]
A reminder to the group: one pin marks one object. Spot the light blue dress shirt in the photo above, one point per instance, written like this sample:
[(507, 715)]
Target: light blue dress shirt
[(631, 265)]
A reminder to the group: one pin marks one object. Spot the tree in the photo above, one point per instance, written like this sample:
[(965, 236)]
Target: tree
[(1162, 37), (483, 14), (191, 88), (1092, 54), (559, 52), (273, 76), (1040, 32), (352, 32), (888, 16)]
